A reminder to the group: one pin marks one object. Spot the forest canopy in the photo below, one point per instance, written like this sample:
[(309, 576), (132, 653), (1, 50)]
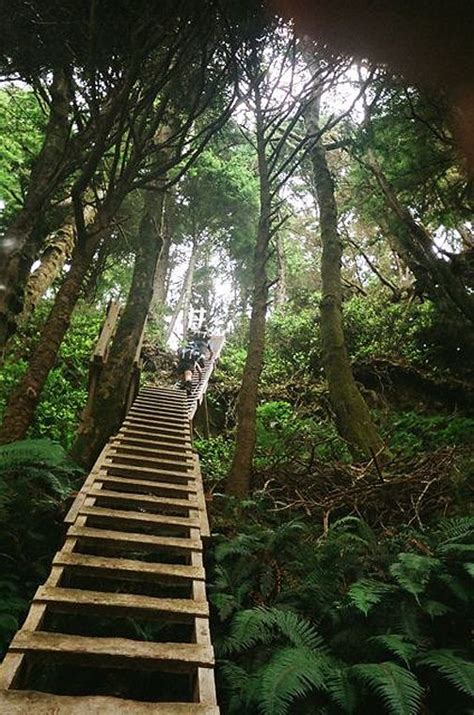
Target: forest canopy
[(305, 190)]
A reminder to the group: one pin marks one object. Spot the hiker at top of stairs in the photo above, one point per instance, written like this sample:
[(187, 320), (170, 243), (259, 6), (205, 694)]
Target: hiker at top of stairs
[(200, 340), (189, 359)]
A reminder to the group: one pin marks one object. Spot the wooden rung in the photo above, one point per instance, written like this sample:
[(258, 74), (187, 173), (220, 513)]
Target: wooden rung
[(138, 445), (182, 467), (144, 425), (138, 517), (162, 436), (136, 426), (153, 486), (143, 499), (157, 409), (181, 453), (116, 652), (27, 702), (121, 567), (155, 476), (127, 604), (134, 540)]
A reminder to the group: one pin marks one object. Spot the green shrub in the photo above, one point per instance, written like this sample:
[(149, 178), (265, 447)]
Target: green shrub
[(36, 477)]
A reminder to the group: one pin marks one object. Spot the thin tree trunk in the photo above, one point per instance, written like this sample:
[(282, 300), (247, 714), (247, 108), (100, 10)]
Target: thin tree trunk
[(25, 397), (185, 290), (352, 414), (238, 483), (59, 247), (20, 244), (107, 410)]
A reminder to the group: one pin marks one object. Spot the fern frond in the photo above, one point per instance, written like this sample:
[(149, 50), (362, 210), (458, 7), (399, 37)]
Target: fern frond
[(31, 452), (458, 671), (263, 625), (398, 645), (292, 674), (242, 686), (455, 527), (399, 689), (413, 571), (242, 545), (366, 593), (342, 689)]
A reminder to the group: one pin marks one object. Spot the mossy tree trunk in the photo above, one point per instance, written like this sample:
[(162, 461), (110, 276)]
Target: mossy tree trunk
[(239, 479), (353, 418), (414, 245), (58, 249), (107, 409), (25, 397), (21, 242)]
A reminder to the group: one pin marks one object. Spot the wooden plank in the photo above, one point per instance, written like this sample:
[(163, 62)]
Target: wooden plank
[(131, 567), (135, 425), (156, 475), (147, 455), (131, 469), (137, 517), (144, 500), (134, 540), (27, 702), (115, 652), (126, 604), (182, 454), (156, 486)]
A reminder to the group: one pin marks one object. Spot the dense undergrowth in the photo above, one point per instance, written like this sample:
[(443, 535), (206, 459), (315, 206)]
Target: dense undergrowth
[(341, 586)]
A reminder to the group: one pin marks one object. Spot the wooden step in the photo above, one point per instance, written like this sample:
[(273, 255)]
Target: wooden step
[(135, 446), (134, 541), (120, 604), (156, 486), (145, 426), (144, 500), (158, 476), (131, 426), (136, 517), (147, 456), (145, 444), (116, 652), (28, 702), (134, 569), (129, 469)]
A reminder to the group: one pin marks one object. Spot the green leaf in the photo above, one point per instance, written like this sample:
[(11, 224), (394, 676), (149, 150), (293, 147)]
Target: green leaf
[(366, 593), (458, 671), (398, 645), (292, 674), (399, 689), (413, 572)]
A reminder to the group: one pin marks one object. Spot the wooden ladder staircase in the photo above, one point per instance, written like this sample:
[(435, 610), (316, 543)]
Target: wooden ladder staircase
[(122, 623)]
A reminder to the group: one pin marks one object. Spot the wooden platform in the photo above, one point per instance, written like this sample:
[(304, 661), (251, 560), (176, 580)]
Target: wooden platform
[(133, 550)]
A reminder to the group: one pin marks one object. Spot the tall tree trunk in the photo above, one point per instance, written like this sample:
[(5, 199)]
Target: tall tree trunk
[(413, 243), (281, 287), (107, 410), (25, 397), (59, 247), (238, 483), (160, 285), (352, 414), (20, 244), (186, 288)]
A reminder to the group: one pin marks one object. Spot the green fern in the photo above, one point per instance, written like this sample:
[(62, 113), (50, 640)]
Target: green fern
[(292, 674), (455, 528), (341, 688), (399, 689), (366, 593), (398, 645), (458, 671), (413, 572), (32, 452), (262, 625)]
